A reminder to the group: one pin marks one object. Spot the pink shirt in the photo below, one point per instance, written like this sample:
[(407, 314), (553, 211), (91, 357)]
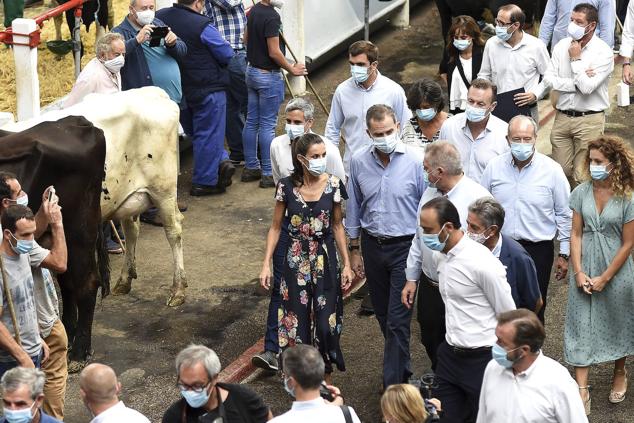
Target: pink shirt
[(94, 78)]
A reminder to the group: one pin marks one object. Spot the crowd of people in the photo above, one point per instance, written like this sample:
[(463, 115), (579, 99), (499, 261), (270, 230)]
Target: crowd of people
[(440, 203)]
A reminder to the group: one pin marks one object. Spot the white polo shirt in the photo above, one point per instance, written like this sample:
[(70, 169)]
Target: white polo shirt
[(120, 413)]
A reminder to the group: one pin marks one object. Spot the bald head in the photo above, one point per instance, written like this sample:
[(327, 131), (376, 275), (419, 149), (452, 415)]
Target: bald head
[(522, 124), (99, 383)]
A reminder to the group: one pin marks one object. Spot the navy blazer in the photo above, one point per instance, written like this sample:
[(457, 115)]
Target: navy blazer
[(520, 274)]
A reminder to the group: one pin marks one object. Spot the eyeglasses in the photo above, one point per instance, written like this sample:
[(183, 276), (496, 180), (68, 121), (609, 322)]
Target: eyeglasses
[(194, 388), (501, 23)]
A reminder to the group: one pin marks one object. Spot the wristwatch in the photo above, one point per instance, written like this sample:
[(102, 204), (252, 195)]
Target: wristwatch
[(564, 256)]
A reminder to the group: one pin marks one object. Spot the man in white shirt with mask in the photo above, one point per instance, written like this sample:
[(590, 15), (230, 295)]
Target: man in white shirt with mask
[(521, 384), (354, 96), (579, 70), (473, 286)]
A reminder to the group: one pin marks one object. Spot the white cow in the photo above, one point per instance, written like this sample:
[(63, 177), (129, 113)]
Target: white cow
[(141, 131)]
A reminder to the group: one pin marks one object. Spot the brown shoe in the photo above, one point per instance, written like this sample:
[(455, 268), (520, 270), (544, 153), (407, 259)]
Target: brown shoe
[(225, 173), (251, 175), (267, 182)]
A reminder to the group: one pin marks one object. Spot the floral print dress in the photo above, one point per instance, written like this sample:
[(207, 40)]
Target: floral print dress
[(312, 303)]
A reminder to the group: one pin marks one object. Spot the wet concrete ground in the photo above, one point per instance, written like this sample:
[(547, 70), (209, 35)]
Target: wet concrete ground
[(224, 241)]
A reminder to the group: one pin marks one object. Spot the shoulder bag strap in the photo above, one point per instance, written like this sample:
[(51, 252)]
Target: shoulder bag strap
[(461, 70), (346, 413)]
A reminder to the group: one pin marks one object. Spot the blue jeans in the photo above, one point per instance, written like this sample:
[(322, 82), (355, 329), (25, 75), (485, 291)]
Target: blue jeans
[(208, 121), (266, 94), (237, 99), (271, 339), (5, 367)]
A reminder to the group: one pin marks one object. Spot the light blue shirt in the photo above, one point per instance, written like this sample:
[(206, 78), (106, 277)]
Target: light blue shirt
[(349, 106), (475, 153), (164, 70), (535, 198), (556, 18), (384, 199), (420, 257)]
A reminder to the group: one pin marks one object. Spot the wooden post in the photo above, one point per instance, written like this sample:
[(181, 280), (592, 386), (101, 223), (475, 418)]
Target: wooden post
[(27, 84), (293, 23)]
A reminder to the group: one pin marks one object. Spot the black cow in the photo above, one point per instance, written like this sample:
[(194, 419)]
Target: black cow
[(534, 10), (69, 154)]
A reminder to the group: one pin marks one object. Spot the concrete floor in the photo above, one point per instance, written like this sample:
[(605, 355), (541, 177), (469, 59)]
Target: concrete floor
[(224, 241)]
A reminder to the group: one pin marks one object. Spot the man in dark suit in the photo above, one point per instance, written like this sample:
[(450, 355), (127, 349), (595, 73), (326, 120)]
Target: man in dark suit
[(484, 223)]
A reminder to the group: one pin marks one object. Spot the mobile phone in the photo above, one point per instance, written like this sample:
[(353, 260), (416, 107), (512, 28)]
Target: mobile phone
[(158, 32), (51, 192)]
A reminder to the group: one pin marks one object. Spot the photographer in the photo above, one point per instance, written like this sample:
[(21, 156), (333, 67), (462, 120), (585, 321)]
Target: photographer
[(303, 371), (403, 403)]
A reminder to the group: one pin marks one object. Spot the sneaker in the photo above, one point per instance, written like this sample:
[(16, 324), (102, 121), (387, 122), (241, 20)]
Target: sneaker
[(267, 182), (250, 175), (266, 360), (113, 247)]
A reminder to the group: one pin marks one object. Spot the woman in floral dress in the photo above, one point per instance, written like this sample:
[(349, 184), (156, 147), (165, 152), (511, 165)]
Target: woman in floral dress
[(312, 284)]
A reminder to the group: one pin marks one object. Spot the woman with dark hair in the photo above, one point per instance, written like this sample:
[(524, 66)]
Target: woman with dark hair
[(427, 104), (461, 61), (312, 283), (599, 324)]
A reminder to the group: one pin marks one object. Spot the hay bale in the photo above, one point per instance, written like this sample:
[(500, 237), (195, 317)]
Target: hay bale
[(57, 74)]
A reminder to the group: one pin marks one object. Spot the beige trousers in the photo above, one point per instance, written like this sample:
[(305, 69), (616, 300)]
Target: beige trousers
[(570, 137), (56, 369)]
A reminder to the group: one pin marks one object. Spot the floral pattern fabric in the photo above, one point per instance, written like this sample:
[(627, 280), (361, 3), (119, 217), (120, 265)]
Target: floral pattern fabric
[(312, 303)]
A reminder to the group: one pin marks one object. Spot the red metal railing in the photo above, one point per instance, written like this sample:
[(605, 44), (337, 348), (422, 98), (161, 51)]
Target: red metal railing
[(6, 36)]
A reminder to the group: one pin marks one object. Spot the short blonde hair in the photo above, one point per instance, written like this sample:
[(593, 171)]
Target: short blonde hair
[(104, 44), (404, 404)]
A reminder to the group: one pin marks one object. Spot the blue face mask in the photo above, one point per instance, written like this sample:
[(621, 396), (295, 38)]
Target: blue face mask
[(521, 151), (426, 114), (432, 241), (317, 166), (23, 415), (294, 131), (196, 399), (500, 355), (427, 181), (22, 246), (502, 33), (290, 391), (461, 44), (360, 74), (599, 172), (475, 114), (386, 144)]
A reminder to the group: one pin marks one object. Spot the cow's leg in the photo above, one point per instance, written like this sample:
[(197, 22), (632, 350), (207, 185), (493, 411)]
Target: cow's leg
[(58, 26), (100, 32), (172, 223), (128, 272), (85, 299)]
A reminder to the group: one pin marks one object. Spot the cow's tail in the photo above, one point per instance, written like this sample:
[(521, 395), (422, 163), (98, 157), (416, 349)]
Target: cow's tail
[(103, 262)]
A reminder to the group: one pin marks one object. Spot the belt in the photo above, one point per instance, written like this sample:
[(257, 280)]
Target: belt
[(465, 352), (527, 242), (388, 240), (239, 49), (574, 113), (429, 281)]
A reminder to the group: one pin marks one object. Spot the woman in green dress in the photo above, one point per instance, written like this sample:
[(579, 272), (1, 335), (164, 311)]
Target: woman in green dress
[(599, 321)]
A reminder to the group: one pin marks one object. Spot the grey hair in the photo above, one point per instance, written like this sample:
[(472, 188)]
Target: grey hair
[(104, 44), (305, 364), (302, 104), (489, 211), (33, 378), (195, 354), (525, 118), (444, 154)]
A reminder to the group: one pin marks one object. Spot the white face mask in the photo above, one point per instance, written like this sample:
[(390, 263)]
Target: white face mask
[(144, 17), (575, 31), (115, 65), (277, 3)]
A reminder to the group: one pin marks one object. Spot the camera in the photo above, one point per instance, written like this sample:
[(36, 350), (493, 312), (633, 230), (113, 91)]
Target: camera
[(425, 384), (325, 393)]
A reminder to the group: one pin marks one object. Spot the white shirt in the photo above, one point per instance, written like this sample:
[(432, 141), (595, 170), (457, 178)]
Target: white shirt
[(543, 393), (477, 153), (349, 106), (627, 38), (94, 78), (120, 413), (458, 96), (282, 158), (498, 247), (520, 66), (314, 411), (473, 286), (578, 91), (465, 192), (535, 198)]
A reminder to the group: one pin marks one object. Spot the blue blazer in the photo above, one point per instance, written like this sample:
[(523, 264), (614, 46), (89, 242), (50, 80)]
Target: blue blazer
[(520, 273)]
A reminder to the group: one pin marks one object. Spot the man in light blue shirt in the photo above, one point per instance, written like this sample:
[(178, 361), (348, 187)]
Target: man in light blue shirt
[(534, 192), (554, 25), (385, 185), (354, 96)]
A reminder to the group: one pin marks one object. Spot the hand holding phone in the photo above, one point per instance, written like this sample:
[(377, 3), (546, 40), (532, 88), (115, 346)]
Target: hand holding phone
[(158, 32)]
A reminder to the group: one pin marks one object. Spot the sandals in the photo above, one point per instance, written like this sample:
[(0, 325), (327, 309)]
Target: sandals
[(617, 397), (587, 404)]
